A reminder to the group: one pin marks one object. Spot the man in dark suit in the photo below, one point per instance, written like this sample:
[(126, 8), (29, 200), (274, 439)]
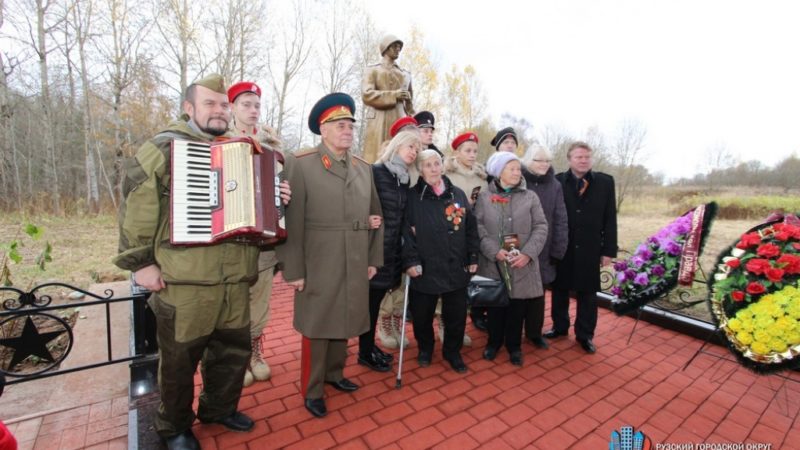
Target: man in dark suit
[(592, 219)]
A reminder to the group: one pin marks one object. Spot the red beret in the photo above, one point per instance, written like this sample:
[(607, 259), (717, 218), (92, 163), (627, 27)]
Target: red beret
[(460, 139), (242, 87), (400, 123)]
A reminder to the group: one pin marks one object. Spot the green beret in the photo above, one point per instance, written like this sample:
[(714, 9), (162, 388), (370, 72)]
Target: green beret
[(215, 82)]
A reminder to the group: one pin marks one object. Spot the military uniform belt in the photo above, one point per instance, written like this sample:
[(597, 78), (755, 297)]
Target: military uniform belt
[(355, 225)]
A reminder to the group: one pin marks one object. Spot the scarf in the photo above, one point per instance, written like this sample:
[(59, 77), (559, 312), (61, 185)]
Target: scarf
[(503, 190), (439, 188), (398, 168)]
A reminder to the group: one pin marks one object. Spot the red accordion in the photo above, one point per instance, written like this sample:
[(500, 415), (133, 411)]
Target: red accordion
[(225, 190)]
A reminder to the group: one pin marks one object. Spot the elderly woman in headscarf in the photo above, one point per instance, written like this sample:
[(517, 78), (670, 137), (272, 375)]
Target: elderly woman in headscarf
[(392, 174), (512, 229), (540, 178), (441, 239)]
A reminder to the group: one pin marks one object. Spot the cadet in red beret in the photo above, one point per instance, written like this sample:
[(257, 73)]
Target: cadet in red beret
[(245, 98), (465, 137), (463, 169), (402, 123)]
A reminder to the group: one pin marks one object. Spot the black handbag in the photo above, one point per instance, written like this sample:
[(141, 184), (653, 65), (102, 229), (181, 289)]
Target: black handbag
[(487, 293)]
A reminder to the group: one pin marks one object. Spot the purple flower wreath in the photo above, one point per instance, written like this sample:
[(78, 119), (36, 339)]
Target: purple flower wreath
[(652, 270)]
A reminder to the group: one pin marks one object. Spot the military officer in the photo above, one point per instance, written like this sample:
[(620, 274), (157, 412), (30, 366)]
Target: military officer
[(245, 98), (200, 294), (331, 252), (387, 95)]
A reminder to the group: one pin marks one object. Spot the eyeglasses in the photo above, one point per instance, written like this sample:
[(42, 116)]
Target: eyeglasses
[(548, 161)]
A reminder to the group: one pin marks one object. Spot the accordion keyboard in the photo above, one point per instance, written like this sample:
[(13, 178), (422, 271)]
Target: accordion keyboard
[(194, 192)]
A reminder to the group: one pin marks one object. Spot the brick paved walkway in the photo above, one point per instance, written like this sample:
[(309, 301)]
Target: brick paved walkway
[(562, 398)]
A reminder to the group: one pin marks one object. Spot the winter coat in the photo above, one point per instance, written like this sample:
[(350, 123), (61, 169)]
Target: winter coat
[(464, 178), (551, 196), (329, 242), (379, 88), (523, 216), (432, 241), (393, 196), (144, 220), (592, 231)]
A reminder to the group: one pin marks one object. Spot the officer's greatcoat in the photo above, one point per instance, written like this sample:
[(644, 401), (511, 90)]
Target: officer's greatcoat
[(329, 242)]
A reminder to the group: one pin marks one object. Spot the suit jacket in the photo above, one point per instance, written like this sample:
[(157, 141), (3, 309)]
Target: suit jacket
[(592, 220), (329, 243)]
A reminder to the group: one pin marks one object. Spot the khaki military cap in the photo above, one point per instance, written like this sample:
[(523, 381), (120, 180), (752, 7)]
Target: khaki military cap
[(215, 82)]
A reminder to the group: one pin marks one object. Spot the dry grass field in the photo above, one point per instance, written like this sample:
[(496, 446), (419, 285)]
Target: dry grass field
[(82, 249)]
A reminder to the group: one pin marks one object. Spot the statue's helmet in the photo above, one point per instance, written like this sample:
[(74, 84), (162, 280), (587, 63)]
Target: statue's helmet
[(387, 41)]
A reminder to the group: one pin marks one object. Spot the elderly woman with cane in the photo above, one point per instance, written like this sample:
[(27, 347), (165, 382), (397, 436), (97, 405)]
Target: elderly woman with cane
[(512, 230), (440, 236)]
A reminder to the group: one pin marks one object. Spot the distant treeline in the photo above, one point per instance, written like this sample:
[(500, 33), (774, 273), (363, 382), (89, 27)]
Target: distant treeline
[(785, 175)]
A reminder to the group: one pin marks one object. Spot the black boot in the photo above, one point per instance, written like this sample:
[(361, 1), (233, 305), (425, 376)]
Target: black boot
[(382, 355), (374, 363)]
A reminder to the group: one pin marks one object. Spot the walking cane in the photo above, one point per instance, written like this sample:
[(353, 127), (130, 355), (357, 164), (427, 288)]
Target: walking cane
[(399, 382)]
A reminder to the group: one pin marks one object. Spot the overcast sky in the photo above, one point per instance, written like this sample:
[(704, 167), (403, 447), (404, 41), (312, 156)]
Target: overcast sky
[(698, 73)]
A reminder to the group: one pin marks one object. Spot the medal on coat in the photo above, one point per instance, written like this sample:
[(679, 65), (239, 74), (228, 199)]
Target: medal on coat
[(454, 213)]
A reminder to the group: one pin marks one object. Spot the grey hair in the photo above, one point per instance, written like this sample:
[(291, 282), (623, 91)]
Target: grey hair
[(403, 138), (536, 151), (427, 154)]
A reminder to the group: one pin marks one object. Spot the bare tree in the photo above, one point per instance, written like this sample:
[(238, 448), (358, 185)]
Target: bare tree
[(522, 126), (338, 69), (626, 154), (365, 51), (82, 16), (122, 57), (9, 169), (717, 159), (557, 140), (238, 30), (286, 63), (177, 22), (46, 23)]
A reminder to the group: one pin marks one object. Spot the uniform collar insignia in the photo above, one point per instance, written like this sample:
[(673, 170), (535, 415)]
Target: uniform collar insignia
[(326, 162)]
